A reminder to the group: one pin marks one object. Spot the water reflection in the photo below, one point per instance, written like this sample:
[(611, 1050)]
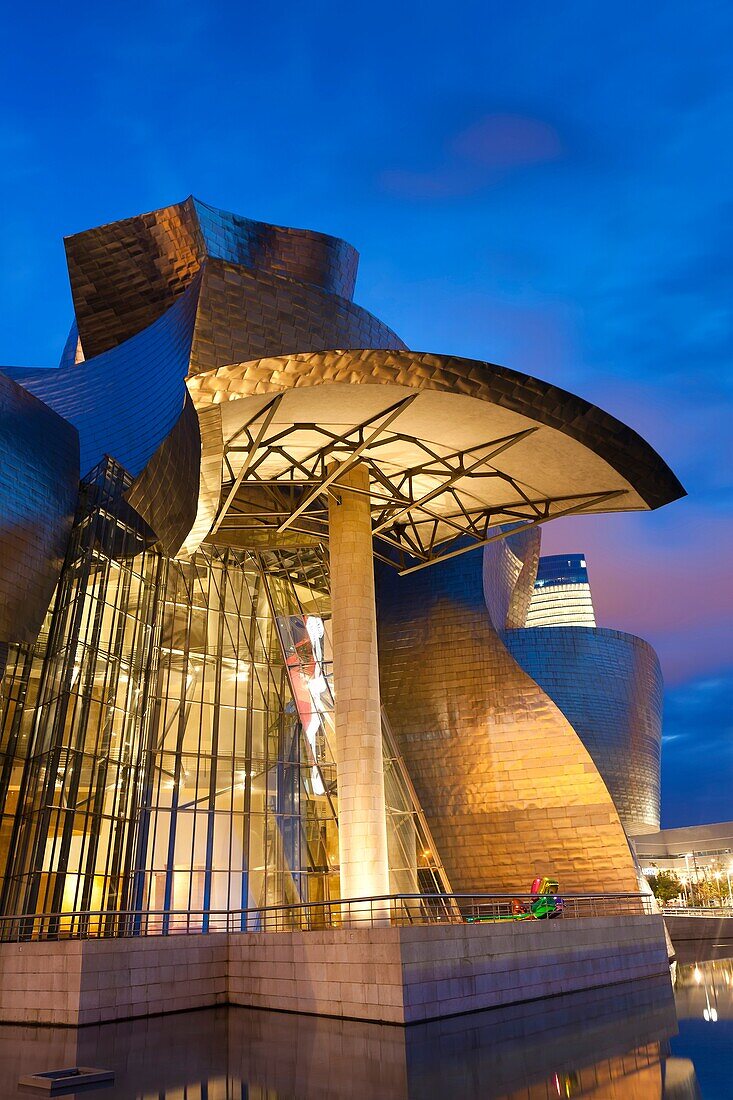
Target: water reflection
[(703, 986), (608, 1043)]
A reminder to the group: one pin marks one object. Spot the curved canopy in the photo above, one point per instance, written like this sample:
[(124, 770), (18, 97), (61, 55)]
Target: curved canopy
[(456, 449)]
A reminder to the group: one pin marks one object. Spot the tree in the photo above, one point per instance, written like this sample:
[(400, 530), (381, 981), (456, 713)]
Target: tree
[(665, 886)]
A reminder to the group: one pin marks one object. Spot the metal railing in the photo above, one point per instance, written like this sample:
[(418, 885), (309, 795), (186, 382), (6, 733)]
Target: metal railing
[(697, 911), (390, 909)]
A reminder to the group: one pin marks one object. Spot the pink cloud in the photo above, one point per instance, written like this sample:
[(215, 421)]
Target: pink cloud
[(507, 141), (478, 155)]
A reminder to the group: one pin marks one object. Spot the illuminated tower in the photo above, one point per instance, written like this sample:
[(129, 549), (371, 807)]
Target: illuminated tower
[(561, 594)]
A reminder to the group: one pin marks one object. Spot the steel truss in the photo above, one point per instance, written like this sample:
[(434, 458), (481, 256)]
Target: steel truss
[(414, 528)]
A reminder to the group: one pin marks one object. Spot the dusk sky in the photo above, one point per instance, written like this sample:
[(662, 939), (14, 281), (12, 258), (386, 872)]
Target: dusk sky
[(545, 186)]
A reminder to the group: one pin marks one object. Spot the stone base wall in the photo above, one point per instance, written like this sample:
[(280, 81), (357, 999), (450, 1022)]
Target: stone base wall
[(684, 928), (78, 982), (389, 975)]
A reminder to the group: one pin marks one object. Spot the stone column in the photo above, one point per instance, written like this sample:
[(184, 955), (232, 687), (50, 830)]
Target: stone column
[(358, 724)]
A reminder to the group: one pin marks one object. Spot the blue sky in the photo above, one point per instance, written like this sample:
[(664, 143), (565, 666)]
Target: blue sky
[(543, 186)]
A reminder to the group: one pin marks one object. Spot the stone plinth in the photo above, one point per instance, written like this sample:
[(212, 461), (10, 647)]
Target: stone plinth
[(682, 928)]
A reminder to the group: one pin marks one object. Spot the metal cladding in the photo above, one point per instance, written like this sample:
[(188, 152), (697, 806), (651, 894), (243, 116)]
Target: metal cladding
[(241, 309), (124, 402), (222, 387), (505, 783), (244, 315), (609, 686), (39, 454), (171, 293), (154, 494), (511, 567), (648, 479), (125, 275)]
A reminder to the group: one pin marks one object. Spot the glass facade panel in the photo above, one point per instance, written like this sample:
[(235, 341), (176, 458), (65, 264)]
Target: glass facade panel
[(85, 713), (168, 744)]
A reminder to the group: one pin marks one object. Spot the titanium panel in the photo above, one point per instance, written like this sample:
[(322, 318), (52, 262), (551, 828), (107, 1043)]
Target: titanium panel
[(511, 567), (39, 458), (126, 274), (126, 401), (166, 492), (212, 460), (609, 686), (299, 254), (72, 353), (507, 787), (244, 315)]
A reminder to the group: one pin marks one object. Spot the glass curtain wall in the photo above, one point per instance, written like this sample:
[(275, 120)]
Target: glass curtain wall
[(298, 581), (235, 815), (18, 693), (75, 712), (168, 744)]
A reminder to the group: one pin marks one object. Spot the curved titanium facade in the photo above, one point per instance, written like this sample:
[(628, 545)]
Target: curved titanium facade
[(608, 684), (155, 494), (124, 402), (245, 314), (167, 741), (609, 687), (182, 290), (39, 459), (510, 567), (507, 787), (125, 275)]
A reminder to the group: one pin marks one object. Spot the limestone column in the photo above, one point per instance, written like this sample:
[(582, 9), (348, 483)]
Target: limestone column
[(358, 725)]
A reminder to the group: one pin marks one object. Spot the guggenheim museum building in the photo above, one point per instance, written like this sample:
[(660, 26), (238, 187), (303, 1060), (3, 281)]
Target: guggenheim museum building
[(270, 599)]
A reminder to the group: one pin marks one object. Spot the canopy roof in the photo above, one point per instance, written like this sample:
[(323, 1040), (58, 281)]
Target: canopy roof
[(458, 450)]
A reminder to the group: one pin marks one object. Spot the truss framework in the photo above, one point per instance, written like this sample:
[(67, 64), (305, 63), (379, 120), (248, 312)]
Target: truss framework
[(276, 488)]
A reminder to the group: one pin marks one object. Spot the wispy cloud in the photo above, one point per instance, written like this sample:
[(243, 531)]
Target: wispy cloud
[(477, 156)]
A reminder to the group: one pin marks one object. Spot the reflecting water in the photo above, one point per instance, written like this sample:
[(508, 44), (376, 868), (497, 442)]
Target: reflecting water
[(609, 1043), (619, 1043), (703, 984)]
